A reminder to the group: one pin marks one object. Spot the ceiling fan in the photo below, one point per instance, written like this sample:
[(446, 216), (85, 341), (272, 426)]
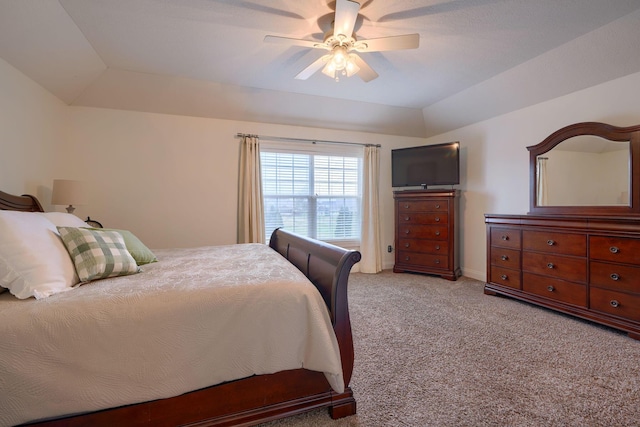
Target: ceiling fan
[(342, 44)]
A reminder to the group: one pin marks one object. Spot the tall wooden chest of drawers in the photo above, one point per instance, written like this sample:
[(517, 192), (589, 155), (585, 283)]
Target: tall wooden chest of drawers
[(426, 237), (585, 266)]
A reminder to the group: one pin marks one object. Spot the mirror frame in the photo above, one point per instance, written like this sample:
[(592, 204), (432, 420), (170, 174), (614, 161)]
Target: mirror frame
[(613, 133)]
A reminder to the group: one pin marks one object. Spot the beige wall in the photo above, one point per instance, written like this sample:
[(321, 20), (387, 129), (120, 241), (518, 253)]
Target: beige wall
[(32, 126), (172, 180), (495, 161)]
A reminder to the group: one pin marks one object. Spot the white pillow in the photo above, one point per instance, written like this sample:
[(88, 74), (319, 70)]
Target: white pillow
[(33, 259), (63, 219)]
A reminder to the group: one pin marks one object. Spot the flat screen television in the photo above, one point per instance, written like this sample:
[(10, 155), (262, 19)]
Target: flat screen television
[(426, 165)]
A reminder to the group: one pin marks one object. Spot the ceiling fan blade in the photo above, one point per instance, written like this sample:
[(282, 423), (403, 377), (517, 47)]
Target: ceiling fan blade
[(261, 8), (346, 15), (407, 41), (432, 9), (295, 42), (313, 68), (366, 73)]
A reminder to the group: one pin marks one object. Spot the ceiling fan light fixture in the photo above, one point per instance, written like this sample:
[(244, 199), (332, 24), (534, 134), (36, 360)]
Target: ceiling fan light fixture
[(339, 57), (329, 70), (351, 67), (341, 40), (340, 62)]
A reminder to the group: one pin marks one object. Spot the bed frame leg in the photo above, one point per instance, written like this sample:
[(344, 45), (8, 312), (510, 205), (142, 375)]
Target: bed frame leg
[(343, 404)]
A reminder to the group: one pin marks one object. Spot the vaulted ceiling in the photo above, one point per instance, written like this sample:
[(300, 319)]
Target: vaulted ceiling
[(207, 58)]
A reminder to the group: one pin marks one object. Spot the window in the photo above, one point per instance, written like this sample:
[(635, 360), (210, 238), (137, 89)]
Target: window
[(314, 192)]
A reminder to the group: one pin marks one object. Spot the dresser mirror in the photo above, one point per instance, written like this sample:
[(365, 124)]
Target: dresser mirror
[(586, 169)]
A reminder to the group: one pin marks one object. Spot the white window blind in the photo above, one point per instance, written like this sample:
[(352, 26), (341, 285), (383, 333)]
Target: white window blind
[(313, 190)]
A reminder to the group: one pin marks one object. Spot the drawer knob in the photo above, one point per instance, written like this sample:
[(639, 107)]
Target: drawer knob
[(615, 276), (614, 250), (437, 219), (437, 206), (406, 206), (437, 247), (504, 257), (406, 231), (551, 242), (437, 261), (406, 258), (406, 245), (551, 288), (406, 218), (614, 303), (437, 233), (503, 237), (551, 265), (504, 277)]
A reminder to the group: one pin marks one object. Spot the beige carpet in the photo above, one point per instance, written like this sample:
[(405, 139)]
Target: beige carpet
[(430, 352)]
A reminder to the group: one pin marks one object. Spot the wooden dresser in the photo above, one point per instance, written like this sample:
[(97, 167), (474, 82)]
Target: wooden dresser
[(584, 266), (426, 237)]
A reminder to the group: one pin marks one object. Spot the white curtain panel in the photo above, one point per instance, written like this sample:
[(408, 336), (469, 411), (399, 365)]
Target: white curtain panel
[(251, 206), (541, 186), (370, 240)]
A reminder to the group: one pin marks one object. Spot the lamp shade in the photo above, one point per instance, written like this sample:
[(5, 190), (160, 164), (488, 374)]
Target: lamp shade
[(68, 192)]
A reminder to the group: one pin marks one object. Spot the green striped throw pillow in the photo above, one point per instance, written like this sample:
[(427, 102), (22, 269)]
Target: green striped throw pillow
[(97, 254)]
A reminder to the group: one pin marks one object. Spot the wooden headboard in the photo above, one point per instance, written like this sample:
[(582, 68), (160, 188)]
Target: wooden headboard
[(25, 203)]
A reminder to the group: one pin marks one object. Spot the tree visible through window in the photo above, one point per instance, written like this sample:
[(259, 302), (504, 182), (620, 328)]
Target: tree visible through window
[(316, 195)]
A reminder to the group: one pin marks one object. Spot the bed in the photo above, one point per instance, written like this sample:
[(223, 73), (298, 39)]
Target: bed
[(320, 379)]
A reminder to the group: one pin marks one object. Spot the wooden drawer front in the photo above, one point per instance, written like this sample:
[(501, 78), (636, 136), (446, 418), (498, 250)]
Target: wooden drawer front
[(423, 260), (615, 276), (424, 246), (437, 205), (556, 289), (615, 249), (423, 218), (436, 232), (505, 277), (557, 243), (615, 303), (557, 266), (507, 258), (505, 237)]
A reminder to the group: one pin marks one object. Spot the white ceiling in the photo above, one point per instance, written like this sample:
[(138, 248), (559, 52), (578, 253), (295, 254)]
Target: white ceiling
[(207, 57)]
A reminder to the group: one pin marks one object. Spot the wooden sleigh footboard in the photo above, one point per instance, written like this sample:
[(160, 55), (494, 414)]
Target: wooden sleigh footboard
[(260, 398)]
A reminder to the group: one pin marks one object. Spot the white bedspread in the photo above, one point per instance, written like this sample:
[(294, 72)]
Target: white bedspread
[(197, 318)]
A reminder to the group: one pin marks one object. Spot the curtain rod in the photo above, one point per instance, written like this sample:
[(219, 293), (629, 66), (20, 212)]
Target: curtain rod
[(312, 141)]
